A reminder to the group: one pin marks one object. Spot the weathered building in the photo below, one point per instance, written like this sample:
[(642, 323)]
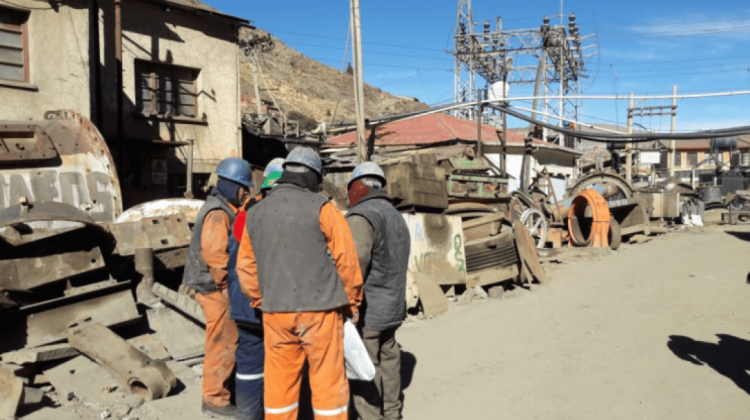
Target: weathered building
[(178, 67), (439, 128)]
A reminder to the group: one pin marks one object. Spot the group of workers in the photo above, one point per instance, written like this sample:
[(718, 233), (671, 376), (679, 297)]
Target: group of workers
[(278, 274)]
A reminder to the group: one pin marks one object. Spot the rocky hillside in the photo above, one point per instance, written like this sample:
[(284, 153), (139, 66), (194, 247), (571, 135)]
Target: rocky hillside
[(307, 90)]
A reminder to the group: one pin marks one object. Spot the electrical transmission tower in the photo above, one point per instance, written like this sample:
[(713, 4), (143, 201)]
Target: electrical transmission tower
[(551, 57)]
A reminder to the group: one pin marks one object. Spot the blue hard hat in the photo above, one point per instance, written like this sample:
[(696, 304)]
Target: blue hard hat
[(275, 165), (305, 156), (367, 169), (237, 170)]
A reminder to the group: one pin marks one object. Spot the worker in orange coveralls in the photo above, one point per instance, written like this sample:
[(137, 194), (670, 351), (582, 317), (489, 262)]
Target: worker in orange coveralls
[(297, 262), (206, 273)]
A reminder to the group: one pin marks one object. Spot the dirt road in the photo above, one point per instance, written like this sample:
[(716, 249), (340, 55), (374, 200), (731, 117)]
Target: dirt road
[(594, 343)]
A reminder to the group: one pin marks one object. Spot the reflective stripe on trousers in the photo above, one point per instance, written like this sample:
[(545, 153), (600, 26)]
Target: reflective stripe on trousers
[(335, 412), (290, 338), (283, 409)]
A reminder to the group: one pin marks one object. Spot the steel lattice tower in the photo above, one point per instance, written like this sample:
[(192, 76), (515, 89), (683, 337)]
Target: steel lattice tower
[(485, 56)]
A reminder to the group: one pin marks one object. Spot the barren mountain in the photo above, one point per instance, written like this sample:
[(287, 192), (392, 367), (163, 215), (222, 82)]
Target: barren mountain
[(308, 90)]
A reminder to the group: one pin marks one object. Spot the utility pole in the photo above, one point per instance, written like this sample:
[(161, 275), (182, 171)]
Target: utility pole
[(480, 111), (540, 71), (650, 111), (359, 91), (629, 145), (674, 118), (258, 108)]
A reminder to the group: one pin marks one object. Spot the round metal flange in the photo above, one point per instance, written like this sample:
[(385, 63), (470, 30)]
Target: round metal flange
[(536, 223)]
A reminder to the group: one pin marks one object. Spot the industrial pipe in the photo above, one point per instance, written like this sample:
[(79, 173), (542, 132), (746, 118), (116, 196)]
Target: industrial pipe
[(581, 233), (144, 266)]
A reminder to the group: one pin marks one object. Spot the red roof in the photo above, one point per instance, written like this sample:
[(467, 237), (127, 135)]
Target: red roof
[(431, 128)]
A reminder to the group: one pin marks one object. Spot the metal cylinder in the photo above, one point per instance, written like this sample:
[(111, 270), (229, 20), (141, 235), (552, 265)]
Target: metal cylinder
[(710, 194), (144, 265)]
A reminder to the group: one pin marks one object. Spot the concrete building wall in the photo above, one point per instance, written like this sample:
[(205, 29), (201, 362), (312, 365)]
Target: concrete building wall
[(176, 37), (58, 58)]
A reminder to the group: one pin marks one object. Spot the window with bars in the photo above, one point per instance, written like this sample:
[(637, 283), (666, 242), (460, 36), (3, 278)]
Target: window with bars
[(14, 61), (164, 89), (692, 158)]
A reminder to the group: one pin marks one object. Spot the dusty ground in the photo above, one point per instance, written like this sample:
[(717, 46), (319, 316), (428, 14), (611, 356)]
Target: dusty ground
[(594, 343)]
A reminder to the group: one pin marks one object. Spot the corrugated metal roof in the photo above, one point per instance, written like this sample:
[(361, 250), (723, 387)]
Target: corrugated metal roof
[(432, 128), (199, 6)]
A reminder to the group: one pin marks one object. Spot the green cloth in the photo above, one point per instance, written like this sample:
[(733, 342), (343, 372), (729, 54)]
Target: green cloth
[(270, 180)]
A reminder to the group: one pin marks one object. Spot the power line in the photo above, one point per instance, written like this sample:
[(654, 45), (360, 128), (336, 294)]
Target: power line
[(687, 22), (363, 43), (447, 58)]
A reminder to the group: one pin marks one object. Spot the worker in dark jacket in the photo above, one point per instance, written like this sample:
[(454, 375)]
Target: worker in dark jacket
[(382, 241), (206, 272), (250, 353), (297, 262)]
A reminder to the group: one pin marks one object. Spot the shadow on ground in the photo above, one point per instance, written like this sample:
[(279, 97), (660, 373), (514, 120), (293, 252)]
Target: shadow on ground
[(729, 357), (743, 236)]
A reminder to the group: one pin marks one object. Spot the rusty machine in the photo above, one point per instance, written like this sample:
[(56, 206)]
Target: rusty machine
[(461, 230), (70, 256)]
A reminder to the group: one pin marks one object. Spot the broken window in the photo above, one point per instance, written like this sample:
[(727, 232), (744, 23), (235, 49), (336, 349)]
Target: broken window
[(14, 59), (164, 89), (692, 158)]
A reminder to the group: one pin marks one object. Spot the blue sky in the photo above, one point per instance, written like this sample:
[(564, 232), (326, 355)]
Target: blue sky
[(644, 47)]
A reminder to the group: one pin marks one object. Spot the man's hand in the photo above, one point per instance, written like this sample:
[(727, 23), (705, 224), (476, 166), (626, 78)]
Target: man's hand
[(355, 317)]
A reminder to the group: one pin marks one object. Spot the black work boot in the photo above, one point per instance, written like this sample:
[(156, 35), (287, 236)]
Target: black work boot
[(228, 411)]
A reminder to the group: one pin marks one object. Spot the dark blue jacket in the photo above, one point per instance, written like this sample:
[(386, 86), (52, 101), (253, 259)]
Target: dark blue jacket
[(240, 311)]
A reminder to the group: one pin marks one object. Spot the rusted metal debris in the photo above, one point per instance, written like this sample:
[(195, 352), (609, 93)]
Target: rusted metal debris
[(150, 379), (40, 354), (68, 253)]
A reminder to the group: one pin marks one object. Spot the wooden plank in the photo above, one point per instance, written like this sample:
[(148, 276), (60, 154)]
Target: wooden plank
[(431, 295)]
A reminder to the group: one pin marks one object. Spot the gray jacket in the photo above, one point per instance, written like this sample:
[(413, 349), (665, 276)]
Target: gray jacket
[(384, 274), (296, 272)]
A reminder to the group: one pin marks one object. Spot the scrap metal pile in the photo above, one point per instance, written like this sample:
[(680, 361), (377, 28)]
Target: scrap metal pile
[(82, 316), (466, 235)]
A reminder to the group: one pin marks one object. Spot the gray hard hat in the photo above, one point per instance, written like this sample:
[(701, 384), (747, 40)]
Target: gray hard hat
[(275, 165), (367, 169), (307, 157)]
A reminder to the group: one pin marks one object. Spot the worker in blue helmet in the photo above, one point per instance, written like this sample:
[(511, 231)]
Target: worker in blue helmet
[(381, 238), (206, 272)]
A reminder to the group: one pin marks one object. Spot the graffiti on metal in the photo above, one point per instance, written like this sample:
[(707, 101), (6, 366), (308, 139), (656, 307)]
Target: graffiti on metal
[(79, 171), (84, 191), (437, 247)]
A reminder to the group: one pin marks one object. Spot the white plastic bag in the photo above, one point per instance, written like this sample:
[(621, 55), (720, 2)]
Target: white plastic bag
[(357, 361)]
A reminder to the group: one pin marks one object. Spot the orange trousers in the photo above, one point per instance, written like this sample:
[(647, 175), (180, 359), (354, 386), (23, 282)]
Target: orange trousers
[(221, 344), (289, 339)]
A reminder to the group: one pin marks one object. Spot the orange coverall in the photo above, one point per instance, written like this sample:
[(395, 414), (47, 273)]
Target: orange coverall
[(317, 336), (221, 331)]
